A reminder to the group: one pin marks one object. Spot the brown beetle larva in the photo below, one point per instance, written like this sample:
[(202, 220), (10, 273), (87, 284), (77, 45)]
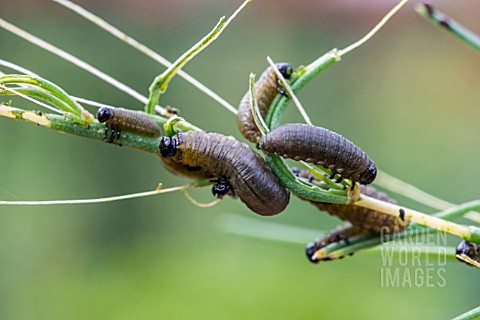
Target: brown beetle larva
[(180, 169), (362, 220), (266, 88), (118, 119), (367, 219), (321, 146), (241, 171)]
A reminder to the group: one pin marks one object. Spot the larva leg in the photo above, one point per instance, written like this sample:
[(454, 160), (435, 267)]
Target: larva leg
[(119, 132), (280, 90), (332, 175), (112, 134), (221, 188), (106, 134), (338, 234)]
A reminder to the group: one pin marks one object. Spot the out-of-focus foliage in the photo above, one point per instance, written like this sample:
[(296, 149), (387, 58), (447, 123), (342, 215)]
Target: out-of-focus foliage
[(409, 98)]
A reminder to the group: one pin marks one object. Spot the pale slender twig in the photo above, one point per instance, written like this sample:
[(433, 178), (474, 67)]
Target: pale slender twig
[(199, 204), (396, 185), (469, 315), (468, 260), (144, 49), (91, 102), (97, 200), (375, 29), (72, 59), (464, 232), (290, 92), (16, 67)]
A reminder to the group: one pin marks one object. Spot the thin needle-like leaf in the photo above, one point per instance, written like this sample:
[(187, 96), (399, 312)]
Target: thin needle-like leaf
[(70, 58)]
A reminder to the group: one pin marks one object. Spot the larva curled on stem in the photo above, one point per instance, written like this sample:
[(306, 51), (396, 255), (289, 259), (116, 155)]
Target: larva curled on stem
[(117, 119), (184, 170), (361, 220), (321, 146), (241, 172), (266, 88)]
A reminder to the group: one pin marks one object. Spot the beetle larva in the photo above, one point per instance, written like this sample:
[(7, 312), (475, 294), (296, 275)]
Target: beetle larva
[(362, 220), (469, 253), (118, 119), (367, 219), (266, 88), (241, 171), (340, 233), (180, 169), (320, 146)]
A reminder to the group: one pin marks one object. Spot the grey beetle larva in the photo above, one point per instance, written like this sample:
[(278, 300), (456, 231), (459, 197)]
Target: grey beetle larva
[(266, 88), (320, 146), (361, 220), (240, 171), (118, 119)]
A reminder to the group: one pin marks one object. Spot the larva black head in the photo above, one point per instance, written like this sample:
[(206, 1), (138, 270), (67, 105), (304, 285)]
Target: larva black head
[(104, 114), (369, 175), (310, 251), (468, 253), (285, 69), (168, 147), (465, 248)]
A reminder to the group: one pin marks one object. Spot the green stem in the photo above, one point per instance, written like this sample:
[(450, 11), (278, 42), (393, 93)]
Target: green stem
[(94, 131), (160, 83), (297, 187), (175, 124), (437, 17)]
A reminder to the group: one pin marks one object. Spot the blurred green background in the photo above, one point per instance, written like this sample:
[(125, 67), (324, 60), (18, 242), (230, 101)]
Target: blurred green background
[(409, 97)]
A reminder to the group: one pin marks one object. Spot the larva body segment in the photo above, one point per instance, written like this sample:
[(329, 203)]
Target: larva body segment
[(247, 173), (360, 220), (266, 88), (180, 169), (469, 250), (118, 119), (364, 218), (336, 235), (320, 146)]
